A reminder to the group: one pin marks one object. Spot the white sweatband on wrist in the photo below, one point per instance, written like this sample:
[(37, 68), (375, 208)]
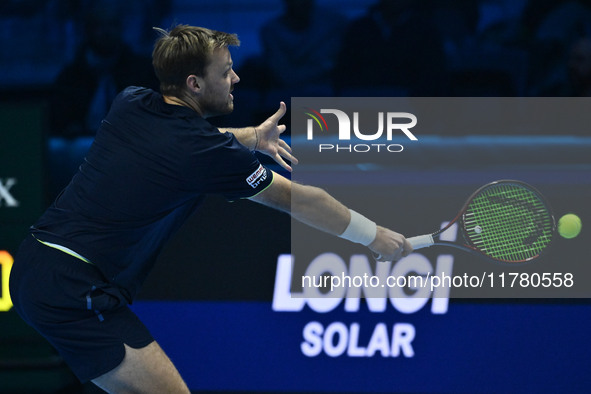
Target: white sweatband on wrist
[(360, 229)]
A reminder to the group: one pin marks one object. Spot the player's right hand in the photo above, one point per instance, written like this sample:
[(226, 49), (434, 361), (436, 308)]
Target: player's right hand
[(390, 245)]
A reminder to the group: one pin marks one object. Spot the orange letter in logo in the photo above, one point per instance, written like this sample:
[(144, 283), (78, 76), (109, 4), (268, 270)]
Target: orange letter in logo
[(6, 261)]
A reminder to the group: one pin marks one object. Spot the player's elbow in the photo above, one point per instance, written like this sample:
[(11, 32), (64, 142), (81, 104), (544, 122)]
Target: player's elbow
[(277, 195), (290, 197)]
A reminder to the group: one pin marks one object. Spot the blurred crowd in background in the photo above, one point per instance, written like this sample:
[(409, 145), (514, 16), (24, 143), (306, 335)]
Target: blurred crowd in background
[(76, 55)]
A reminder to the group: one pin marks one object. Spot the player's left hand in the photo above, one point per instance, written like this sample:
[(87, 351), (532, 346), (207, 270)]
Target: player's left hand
[(269, 142)]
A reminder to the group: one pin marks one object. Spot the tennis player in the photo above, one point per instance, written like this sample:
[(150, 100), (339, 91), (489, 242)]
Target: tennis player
[(154, 158)]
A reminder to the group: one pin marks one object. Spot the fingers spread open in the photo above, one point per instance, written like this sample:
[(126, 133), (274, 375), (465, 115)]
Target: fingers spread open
[(279, 114)]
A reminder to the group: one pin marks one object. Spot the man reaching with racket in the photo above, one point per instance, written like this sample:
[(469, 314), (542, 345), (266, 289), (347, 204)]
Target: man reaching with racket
[(154, 159)]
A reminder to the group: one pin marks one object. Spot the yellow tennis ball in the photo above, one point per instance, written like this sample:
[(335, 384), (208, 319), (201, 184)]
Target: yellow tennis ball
[(569, 226)]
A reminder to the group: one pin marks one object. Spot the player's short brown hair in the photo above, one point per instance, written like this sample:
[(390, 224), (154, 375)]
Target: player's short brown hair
[(183, 51)]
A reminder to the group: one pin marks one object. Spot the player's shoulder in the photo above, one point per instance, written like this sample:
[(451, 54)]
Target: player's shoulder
[(137, 94), (138, 101), (134, 97)]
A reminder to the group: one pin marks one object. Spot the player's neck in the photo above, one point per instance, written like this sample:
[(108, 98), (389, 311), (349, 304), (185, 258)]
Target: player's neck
[(173, 100)]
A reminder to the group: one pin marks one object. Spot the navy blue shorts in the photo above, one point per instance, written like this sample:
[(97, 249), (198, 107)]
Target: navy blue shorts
[(72, 305)]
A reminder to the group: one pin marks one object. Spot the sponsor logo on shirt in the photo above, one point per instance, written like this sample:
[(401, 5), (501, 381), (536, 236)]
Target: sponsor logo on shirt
[(257, 177)]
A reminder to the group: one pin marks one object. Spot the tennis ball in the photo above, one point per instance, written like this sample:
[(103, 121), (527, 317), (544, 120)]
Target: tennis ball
[(569, 226)]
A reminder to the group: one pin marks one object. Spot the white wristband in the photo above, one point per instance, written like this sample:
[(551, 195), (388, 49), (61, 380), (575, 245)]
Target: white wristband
[(360, 229)]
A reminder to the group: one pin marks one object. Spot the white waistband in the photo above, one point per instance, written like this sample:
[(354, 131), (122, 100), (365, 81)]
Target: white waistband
[(65, 250)]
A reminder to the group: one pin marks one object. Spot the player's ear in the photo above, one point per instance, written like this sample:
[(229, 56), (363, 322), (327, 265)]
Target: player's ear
[(194, 83)]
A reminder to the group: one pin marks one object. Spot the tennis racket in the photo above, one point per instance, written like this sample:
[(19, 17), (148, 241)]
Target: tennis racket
[(507, 221)]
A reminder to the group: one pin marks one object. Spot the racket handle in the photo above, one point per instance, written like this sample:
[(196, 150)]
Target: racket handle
[(421, 241)]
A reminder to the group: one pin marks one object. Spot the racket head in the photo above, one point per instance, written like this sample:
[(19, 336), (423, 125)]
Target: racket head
[(507, 221)]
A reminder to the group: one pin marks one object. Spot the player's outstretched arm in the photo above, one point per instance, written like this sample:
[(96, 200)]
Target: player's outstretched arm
[(264, 138), (315, 207)]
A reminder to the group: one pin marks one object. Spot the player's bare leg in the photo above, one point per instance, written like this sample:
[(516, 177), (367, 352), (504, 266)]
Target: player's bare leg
[(145, 370)]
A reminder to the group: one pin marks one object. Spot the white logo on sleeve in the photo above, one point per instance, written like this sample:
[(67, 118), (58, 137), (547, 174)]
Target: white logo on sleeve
[(257, 177)]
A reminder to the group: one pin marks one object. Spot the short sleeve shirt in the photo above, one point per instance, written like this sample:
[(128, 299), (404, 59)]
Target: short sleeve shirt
[(147, 171)]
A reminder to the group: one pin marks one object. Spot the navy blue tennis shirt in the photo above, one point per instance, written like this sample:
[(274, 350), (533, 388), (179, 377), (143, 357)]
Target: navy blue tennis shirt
[(147, 171)]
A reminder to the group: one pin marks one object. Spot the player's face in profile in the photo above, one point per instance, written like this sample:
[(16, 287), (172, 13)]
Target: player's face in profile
[(219, 80)]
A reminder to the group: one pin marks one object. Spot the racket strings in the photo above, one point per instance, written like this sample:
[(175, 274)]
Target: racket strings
[(508, 222)]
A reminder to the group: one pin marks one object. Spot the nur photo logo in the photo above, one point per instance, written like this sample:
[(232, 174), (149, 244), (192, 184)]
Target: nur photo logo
[(389, 126)]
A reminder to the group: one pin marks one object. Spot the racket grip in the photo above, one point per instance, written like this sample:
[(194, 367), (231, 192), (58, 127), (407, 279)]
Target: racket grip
[(421, 241)]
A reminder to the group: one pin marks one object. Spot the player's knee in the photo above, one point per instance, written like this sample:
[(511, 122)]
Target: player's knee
[(144, 370)]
